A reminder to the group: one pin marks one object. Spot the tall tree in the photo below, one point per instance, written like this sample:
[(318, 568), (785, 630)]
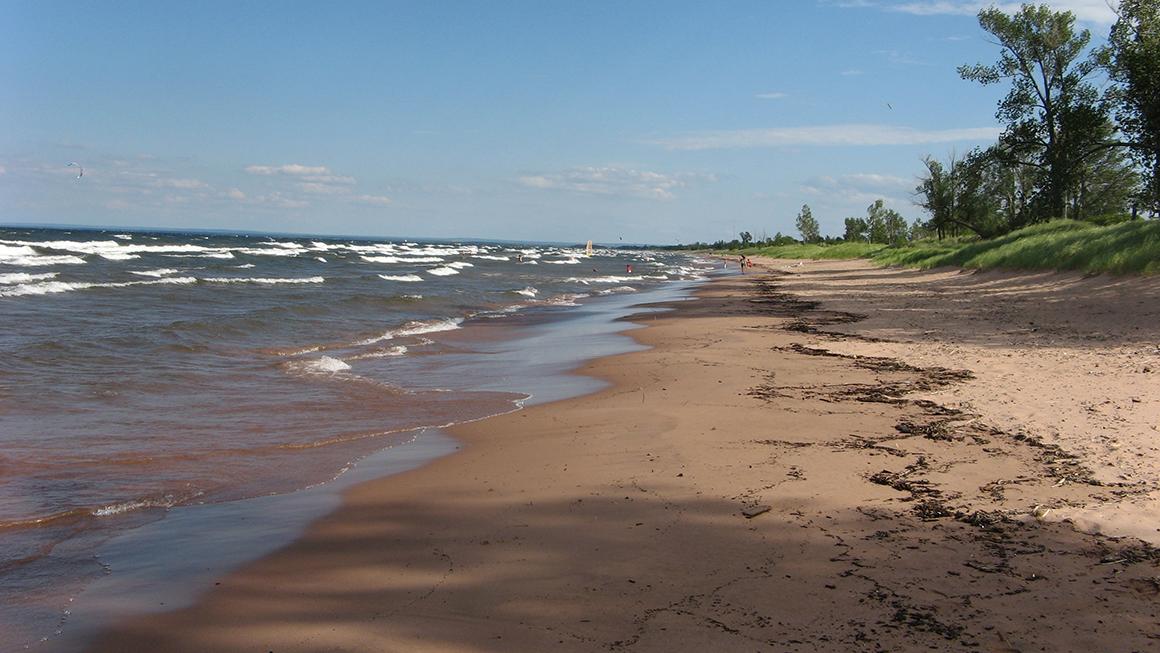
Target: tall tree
[(1134, 65), (807, 225), (1107, 184), (886, 225), (1051, 108), (938, 192), (857, 230)]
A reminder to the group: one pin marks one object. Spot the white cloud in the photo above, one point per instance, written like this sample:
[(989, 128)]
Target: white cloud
[(322, 189), (3, 170), (851, 72), (281, 201), (184, 184), (875, 180), (611, 180), (294, 169), (848, 135), (1094, 11), (377, 200), (236, 194), (771, 96), (329, 179), (859, 188)]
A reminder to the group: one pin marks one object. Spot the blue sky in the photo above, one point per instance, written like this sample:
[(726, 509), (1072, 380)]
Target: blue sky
[(644, 121)]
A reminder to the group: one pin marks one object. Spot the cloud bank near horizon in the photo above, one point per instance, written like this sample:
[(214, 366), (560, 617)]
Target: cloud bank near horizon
[(1102, 12), (824, 135)]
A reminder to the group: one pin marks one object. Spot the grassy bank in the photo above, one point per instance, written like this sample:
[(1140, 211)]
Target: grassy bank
[(1128, 247), (806, 250)]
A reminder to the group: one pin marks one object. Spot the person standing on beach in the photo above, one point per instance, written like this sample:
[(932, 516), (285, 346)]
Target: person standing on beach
[(741, 262)]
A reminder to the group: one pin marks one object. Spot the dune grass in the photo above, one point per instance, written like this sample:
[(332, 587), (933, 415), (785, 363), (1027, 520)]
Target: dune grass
[(1131, 247), (1128, 247), (810, 251)]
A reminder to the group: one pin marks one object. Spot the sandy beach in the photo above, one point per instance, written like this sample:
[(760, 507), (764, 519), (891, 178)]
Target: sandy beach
[(814, 456)]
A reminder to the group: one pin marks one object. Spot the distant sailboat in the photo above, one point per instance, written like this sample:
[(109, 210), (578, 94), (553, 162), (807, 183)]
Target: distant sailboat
[(588, 249)]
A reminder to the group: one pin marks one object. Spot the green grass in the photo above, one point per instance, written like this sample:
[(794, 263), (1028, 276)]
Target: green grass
[(1128, 247), (802, 250), (1125, 248)]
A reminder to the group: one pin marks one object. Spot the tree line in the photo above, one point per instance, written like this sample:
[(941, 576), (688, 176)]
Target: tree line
[(1069, 148)]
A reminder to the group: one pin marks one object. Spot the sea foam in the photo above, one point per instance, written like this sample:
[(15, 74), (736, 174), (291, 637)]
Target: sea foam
[(52, 287), (264, 280), (415, 328), (24, 277)]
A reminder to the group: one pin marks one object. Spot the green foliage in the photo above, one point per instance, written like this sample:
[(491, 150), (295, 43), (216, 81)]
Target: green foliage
[(1128, 247), (1134, 66), (1052, 114), (886, 226), (808, 226), (779, 239), (847, 250), (746, 238), (857, 230)]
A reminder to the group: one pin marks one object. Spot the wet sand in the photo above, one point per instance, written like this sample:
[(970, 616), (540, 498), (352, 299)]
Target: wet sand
[(819, 456)]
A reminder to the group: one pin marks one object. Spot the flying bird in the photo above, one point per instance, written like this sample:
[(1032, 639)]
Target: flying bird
[(79, 167)]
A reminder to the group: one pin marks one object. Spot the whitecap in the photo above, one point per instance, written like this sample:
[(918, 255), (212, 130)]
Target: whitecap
[(25, 256), (415, 328), (220, 255), (112, 248), (434, 326), (401, 277), (567, 299), (167, 501), (403, 259), (24, 277), (52, 287), (397, 350), (443, 272), (263, 280), (325, 364), (159, 272), (489, 257), (608, 279), (267, 251), (616, 290), (527, 292)]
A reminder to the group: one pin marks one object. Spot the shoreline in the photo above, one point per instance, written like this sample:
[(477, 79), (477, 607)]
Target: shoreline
[(167, 564), (737, 486)]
